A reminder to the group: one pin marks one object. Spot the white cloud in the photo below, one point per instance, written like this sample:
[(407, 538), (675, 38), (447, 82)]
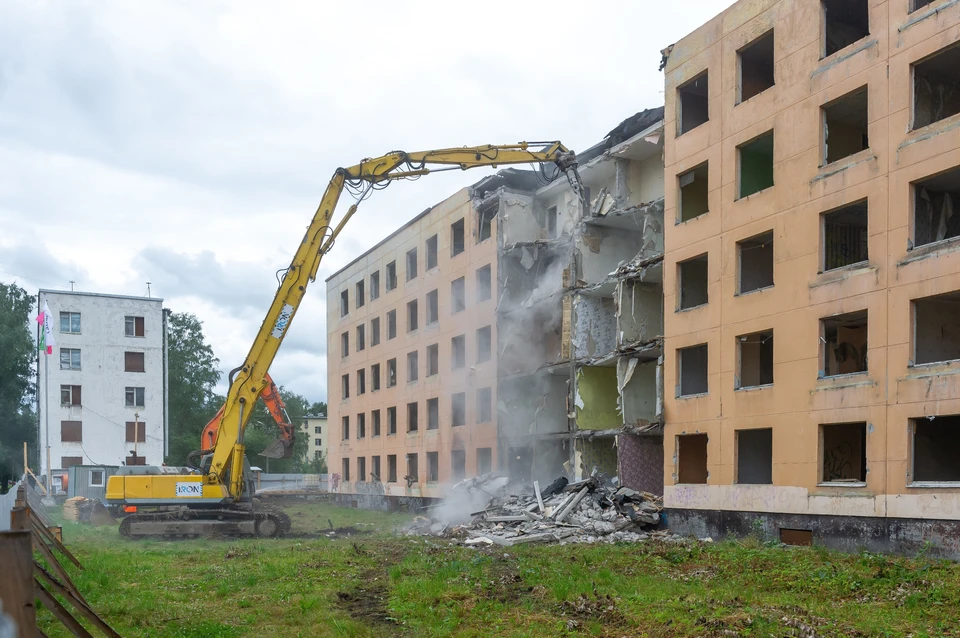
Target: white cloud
[(187, 144)]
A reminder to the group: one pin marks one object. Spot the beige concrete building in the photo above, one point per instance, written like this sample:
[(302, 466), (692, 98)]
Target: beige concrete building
[(811, 272), (315, 427), (411, 366)]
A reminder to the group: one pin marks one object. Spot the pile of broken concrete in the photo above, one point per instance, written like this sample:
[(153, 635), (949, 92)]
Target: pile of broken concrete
[(490, 510)]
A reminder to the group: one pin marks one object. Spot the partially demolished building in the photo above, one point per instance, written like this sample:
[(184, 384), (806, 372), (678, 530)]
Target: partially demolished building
[(580, 313)]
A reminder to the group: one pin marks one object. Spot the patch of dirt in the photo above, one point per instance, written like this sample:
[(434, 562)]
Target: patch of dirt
[(367, 602), (602, 608)]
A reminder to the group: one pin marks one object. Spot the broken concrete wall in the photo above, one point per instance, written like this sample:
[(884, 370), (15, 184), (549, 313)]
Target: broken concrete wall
[(517, 219), (601, 250), (530, 272), (640, 400), (640, 311), (595, 326), (597, 398), (640, 462), (645, 180), (599, 453), (529, 337), (563, 206), (533, 404)]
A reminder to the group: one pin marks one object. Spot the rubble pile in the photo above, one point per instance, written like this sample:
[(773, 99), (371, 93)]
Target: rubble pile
[(586, 511)]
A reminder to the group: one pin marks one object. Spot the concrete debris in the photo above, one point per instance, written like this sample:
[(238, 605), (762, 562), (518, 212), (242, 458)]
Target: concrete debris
[(588, 511)]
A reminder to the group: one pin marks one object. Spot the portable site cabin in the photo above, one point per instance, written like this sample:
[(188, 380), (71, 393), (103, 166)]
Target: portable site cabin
[(89, 481)]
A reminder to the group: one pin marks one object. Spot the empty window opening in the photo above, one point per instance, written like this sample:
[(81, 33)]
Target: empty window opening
[(391, 373), (916, 5), (936, 87), (693, 101), (755, 261), (485, 221), (458, 295), (413, 315), (458, 464), (845, 126), (458, 352), (411, 264), (375, 377), (756, 67), (392, 420), (375, 426), (361, 337), (413, 366), (361, 381), (484, 460), (799, 537), (693, 200), (844, 344), (934, 199), (344, 303), (692, 281), (755, 359), (391, 276), (375, 469), (843, 453), (391, 468), (484, 288), (936, 447), (459, 409), (433, 414), (755, 457), (375, 332), (345, 469), (433, 359), (433, 306), (844, 236), (692, 458), (413, 469), (361, 299), (431, 253), (936, 330), (456, 238), (412, 415), (547, 221), (375, 285), (345, 386), (433, 467), (344, 344), (484, 341), (844, 22), (345, 428), (391, 325), (755, 165), (361, 425), (484, 405), (692, 365)]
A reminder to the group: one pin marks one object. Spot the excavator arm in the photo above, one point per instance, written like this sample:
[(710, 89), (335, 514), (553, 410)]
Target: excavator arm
[(282, 447), (249, 380)]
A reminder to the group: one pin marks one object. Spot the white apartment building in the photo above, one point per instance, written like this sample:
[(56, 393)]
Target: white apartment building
[(102, 392), (315, 425)]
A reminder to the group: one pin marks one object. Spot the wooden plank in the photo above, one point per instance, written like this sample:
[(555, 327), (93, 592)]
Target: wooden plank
[(79, 605), (52, 539), (16, 586), (20, 519), (36, 508), (57, 568), (60, 612)]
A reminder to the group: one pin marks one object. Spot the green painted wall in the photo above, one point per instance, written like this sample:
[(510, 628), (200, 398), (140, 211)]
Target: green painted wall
[(597, 388)]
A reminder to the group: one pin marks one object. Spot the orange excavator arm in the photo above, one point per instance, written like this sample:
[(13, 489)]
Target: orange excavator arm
[(282, 447)]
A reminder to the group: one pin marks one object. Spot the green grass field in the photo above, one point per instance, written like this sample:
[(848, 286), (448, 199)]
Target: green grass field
[(379, 584)]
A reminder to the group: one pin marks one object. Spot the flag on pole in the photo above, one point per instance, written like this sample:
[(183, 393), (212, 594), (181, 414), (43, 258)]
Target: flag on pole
[(46, 335)]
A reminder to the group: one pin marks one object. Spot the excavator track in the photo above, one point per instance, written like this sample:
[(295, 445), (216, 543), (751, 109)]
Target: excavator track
[(264, 521)]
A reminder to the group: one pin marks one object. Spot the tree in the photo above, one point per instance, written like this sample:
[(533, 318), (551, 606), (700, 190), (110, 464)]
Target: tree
[(193, 375), (18, 422), (262, 430)]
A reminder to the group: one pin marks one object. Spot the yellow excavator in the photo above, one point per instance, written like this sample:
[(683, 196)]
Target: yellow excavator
[(215, 496)]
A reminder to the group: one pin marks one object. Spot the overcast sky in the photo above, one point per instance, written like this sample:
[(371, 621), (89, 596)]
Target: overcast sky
[(188, 143)]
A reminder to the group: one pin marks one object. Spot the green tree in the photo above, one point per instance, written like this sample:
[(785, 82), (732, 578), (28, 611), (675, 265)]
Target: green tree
[(18, 422), (262, 430), (193, 375)]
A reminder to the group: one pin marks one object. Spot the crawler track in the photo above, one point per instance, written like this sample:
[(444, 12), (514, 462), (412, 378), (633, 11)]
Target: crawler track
[(264, 521)]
